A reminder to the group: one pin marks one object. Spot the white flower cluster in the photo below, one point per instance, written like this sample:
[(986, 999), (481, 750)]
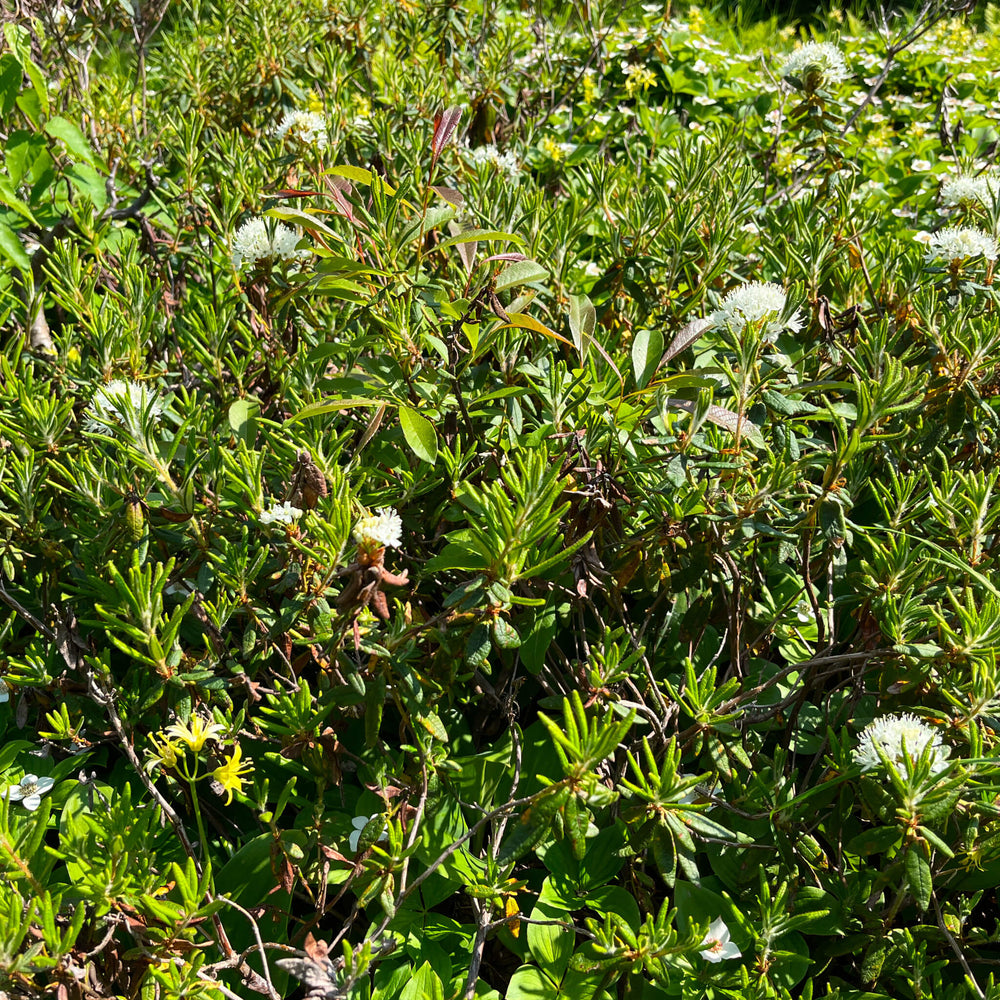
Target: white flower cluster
[(891, 733), (280, 513), (817, 57), (307, 127), (506, 162), (381, 530), (122, 404), (254, 243), (968, 191), (959, 243), (756, 302)]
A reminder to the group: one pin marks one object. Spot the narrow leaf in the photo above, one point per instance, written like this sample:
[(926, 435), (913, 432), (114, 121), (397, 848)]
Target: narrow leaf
[(918, 873), (582, 323), (684, 337), (444, 127)]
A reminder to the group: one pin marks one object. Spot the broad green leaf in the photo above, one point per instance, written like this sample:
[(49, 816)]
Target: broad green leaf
[(521, 272), (536, 643), (550, 944), (243, 415), (19, 39), (647, 348), (419, 433), (12, 248), (477, 647), (74, 140), (9, 197), (505, 635), (10, 82), (531, 983), (425, 985)]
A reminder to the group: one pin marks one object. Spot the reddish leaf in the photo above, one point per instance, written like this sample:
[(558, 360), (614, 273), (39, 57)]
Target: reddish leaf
[(444, 127)]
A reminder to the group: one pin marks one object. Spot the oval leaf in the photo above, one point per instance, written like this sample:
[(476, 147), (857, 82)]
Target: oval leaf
[(419, 433)]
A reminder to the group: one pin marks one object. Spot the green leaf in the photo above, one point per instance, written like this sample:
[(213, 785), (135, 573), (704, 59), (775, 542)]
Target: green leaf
[(324, 406), (534, 825), (424, 985), (477, 647), (10, 82), (539, 638), (9, 198), (243, 415), (431, 721), (582, 323), (878, 840), (647, 349), (12, 248), (505, 635), (521, 272), (551, 945), (475, 235), (419, 433), (74, 140), (918, 873), (19, 40), (530, 983)]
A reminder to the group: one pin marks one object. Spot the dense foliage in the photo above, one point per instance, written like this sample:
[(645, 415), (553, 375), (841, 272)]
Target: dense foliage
[(498, 502)]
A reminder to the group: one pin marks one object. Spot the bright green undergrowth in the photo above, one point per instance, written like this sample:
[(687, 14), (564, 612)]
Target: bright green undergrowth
[(498, 502)]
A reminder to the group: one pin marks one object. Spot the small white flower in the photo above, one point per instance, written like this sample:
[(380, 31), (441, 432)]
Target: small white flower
[(280, 513), (924, 238), (717, 945), (891, 732), (308, 127), (253, 243), (920, 166), (381, 530), (968, 191), (30, 791), (700, 66), (506, 163), (817, 57), (756, 302), (959, 243), (122, 404), (703, 99), (359, 823)]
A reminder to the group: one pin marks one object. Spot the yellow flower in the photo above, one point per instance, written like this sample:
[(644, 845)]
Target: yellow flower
[(231, 774), (196, 733), (164, 751), (552, 149)]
